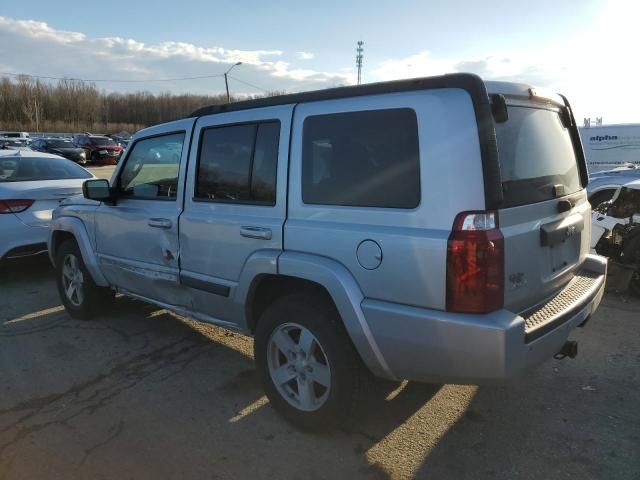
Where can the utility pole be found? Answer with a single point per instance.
(359, 55)
(226, 82)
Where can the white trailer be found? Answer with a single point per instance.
(611, 146)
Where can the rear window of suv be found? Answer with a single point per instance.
(362, 159)
(536, 154)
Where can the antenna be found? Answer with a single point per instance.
(359, 56)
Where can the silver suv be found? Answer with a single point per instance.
(434, 229)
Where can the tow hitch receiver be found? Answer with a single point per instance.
(569, 349)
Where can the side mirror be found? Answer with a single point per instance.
(97, 189)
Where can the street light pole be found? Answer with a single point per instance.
(226, 82)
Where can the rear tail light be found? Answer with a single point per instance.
(475, 264)
(14, 205)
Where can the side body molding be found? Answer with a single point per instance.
(346, 294)
(76, 227)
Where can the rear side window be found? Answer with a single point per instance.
(363, 159)
(238, 163)
(536, 156)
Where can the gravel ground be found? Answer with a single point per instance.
(141, 393)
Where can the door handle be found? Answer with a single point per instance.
(260, 233)
(160, 223)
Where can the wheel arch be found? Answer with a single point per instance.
(329, 279)
(70, 227)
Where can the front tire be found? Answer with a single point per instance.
(80, 295)
(310, 371)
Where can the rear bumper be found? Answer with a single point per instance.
(435, 346)
(110, 158)
(105, 159)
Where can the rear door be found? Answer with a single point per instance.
(546, 218)
(235, 204)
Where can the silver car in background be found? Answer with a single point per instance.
(32, 184)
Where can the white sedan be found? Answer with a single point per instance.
(32, 184)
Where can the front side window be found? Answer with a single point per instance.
(238, 163)
(363, 159)
(151, 169)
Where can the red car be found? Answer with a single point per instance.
(101, 150)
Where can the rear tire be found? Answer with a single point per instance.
(310, 371)
(81, 297)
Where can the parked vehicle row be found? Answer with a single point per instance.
(432, 229)
(81, 148)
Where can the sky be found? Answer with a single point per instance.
(584, 49)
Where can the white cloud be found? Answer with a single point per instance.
(595, 69)
(32, 47)
(597, 77)
(304, 55)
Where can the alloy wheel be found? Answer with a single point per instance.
(73, 280)
(299, 367)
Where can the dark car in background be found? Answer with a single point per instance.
(60, 146)
(99, 149)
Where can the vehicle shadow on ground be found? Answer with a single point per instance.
(25, 270)
(144, 380)
(147, 394)
(27, 286)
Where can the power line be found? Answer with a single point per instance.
(95, 80)
(47, 77)
(249, 84)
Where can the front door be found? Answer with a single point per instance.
(235, 205)
(137, 238)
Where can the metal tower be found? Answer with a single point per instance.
(359, 51)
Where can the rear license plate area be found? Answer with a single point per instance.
(561, 239)
(563, 255)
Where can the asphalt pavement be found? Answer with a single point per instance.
(142, 393)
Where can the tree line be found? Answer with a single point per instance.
(75, 105)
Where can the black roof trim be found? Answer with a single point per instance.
(466, 81)
(472, 83)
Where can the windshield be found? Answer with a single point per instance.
(537, 157)
(59, 143)
(21, 169)
(103, 142)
